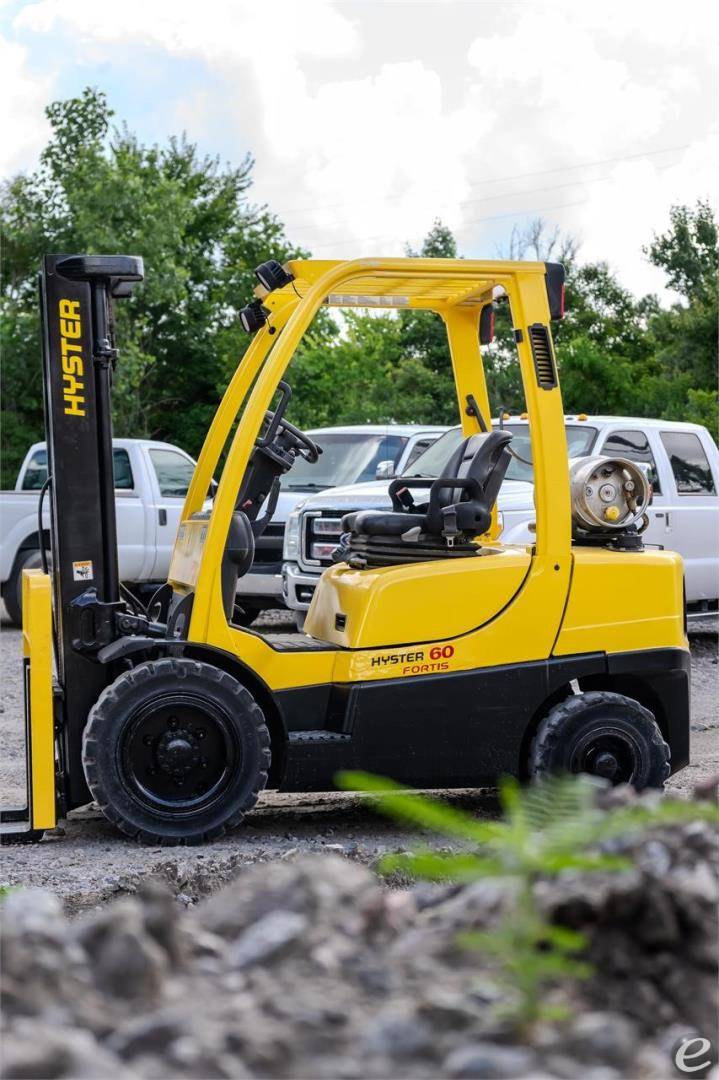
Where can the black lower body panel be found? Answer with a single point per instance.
(467, 728)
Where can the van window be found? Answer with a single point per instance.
(36, 471)
(689, 463)
(633, 445)
(174, 472)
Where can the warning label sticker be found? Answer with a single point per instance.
(82, 571)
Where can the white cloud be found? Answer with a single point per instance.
(367, 121)
(23, 95)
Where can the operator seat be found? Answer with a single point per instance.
(459, 508)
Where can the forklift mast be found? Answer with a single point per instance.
(77, 294)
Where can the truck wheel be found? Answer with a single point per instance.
(300, 620)
(12, 593)
(175, 752)
(603, 734)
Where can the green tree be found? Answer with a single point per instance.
(98, 190)
(681, 381)
(424, 336)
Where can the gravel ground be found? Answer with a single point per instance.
(87, 863)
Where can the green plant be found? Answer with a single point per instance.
(547, 829)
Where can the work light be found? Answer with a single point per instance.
(253, 316)
(272, 275)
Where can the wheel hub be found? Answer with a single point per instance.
(178, 752)
(606, 765)
(608, 752)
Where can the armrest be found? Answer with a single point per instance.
(466, 483)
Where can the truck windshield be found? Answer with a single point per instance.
(431, 463)
(351, 458)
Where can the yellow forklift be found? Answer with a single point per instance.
(434, 653)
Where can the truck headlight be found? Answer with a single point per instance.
(291, 546)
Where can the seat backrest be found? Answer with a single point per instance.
(483, 458)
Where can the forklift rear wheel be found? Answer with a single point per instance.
(603, 734)
(176, 752)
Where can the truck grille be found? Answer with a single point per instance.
(321, 531)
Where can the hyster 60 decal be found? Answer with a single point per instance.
(418, 661)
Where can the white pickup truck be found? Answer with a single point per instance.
(151, 479)
(681, 461)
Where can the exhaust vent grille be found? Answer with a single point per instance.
(543, 355)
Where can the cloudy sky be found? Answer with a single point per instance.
(369, 119)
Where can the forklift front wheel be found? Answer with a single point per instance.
(602, 734)
(176, 752)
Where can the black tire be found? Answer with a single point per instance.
(602, 734)
(12, 593)
(300, 620)
(176, 752)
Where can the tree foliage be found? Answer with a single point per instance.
(99, 189)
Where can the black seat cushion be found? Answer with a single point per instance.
(382, 522)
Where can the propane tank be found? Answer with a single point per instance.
(608, 494)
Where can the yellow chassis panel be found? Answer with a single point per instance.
(37, 650)
(398, 605)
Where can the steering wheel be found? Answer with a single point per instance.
(294, 438)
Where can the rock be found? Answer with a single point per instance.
(325, 887)
(147, 1034)
(37, 1050)
(446, 1010)
(605, 1037)
(160, 917)
(33, 913)
(398, 1036)
(267, 938)
(489, 1060)
(125, 960)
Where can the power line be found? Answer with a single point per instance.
(498, 179)
(483, 199)
(476, 221)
